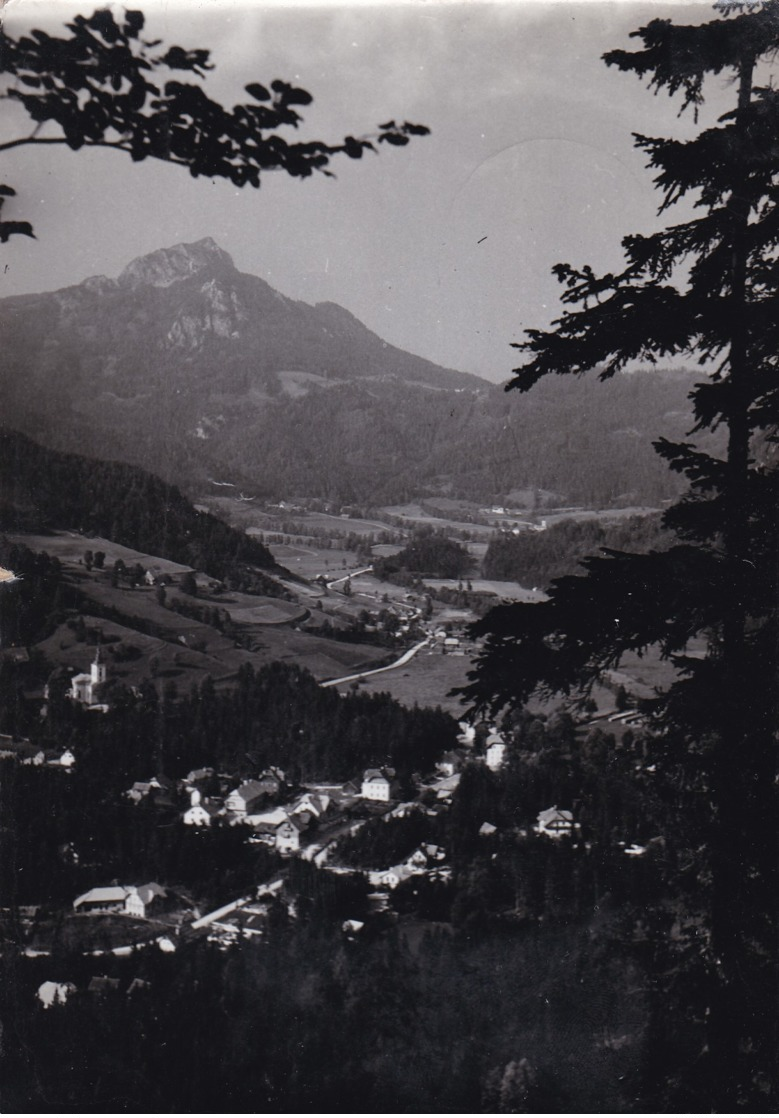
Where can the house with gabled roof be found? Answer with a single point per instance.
(315, 804)
(244, 799)
(379, 785)
(141, 899)
(288, 834)
(29, 754)
(200, 812)
(130, 900)
(272, 781)
(60, 758)
(555, 823)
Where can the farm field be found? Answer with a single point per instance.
(186, 649)
(412, 515)
(69, 547)
(309, 560)
(509, 590)
(424, 680)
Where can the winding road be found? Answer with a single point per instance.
(404, 659)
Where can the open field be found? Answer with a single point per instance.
(186, 649)
(424, 680)
(269, 611)
(252, 518)
(309, 560)
(511, 591)
(69, 548)
(412, 515)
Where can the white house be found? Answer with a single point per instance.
(64, 758)
(555, 823)
(288, 836)
(83, 687)
(314, 803)
(378, 785)
(495, 754)
(141, 898)
(55, 993)
(198, 814)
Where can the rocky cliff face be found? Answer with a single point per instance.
(190, 368)
(169, 265)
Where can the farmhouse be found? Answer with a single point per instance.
(555, 823)
(129, 900)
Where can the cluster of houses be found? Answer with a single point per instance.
(277, 814)
(26, 752)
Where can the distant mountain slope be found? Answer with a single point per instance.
(41, 488)
(194, 370)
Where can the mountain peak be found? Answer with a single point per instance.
(169, 265)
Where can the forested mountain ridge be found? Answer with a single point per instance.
(42, 488)
(195, 370)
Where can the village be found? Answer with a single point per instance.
(294, 821)
(269, 809)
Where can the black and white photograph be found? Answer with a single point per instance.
(389, 632)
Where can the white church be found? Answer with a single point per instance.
(83, 687)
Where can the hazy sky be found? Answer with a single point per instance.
(443, 247)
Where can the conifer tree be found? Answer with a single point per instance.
(707, 289)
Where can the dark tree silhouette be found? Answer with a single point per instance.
(95, 87)
(706, 288)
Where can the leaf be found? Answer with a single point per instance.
(257, 91)
(133, 23)
(415, 129)
(353, 148)
(9, 229)
(394, 138)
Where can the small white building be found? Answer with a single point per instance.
(198, 814)
(495, 754)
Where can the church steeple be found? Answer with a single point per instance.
(97, 669)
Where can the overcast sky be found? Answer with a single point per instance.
(443, 247)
